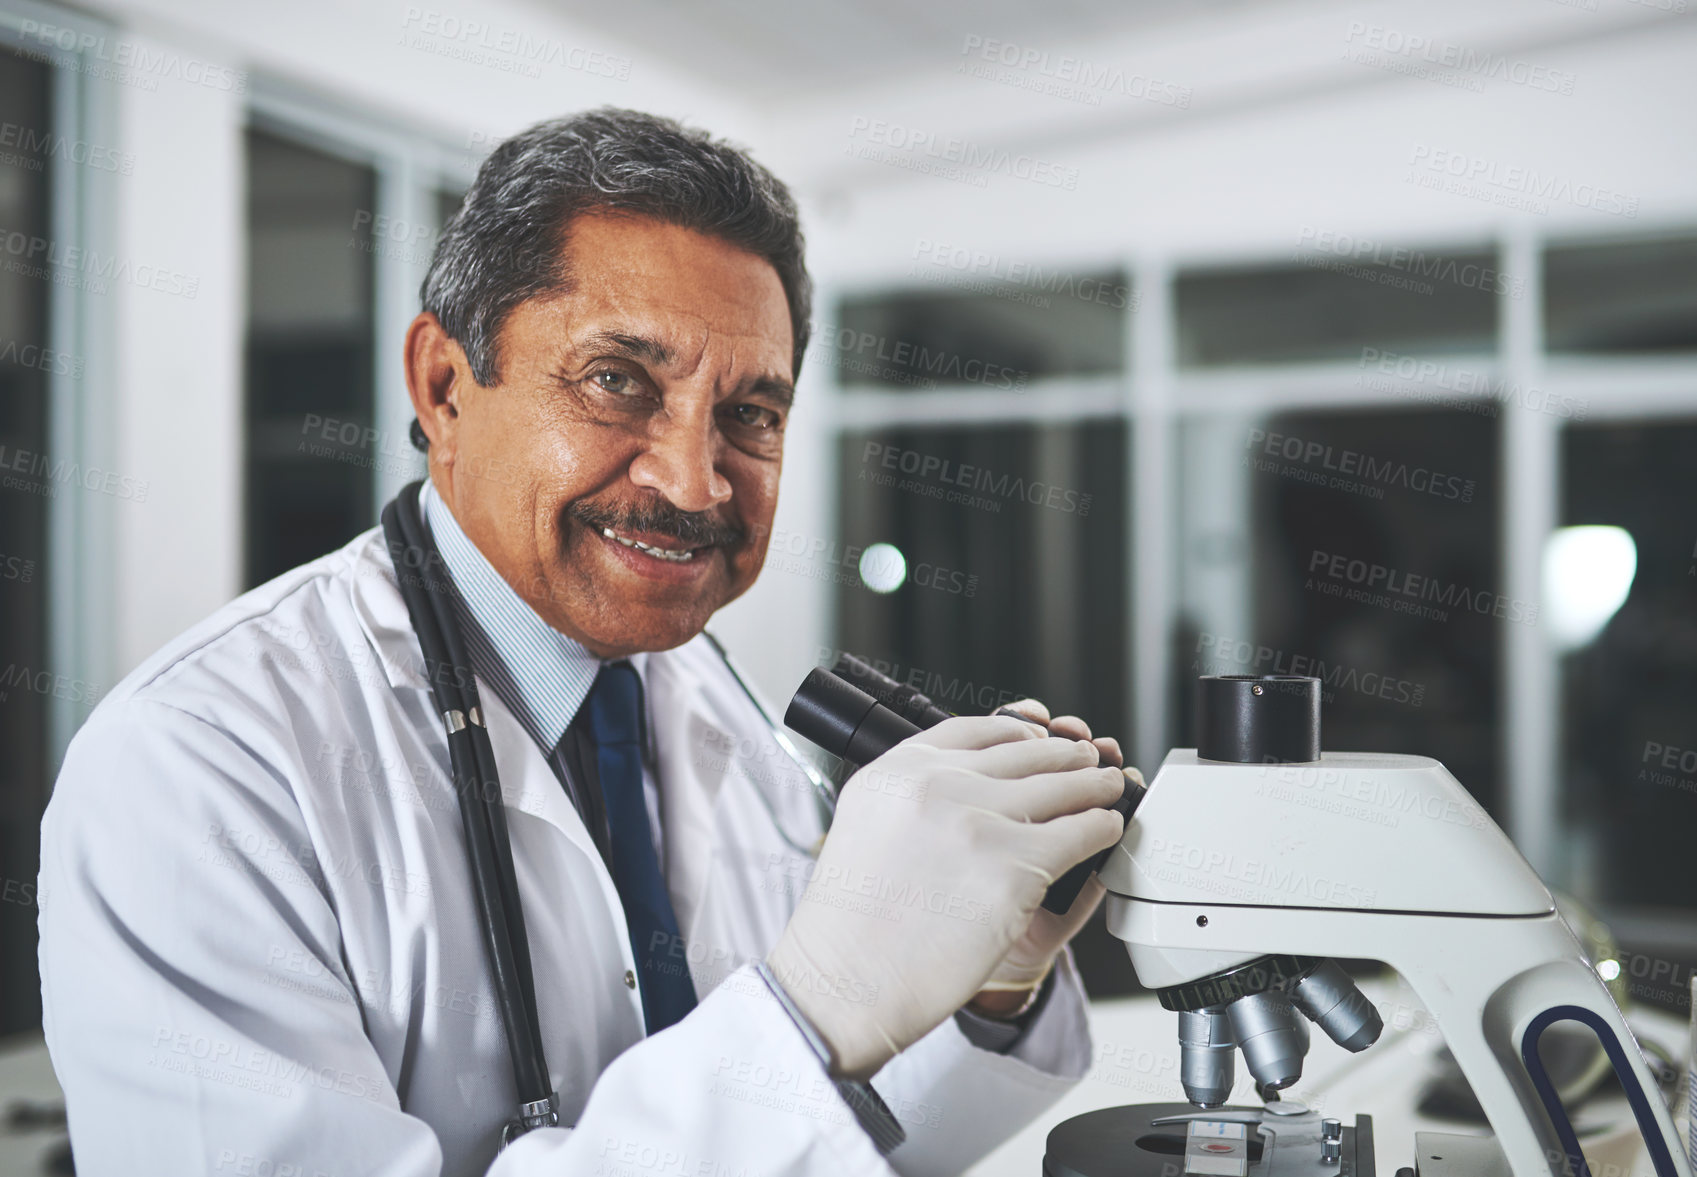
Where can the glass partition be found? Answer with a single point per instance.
(310, 376)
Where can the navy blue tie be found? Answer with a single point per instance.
(614, 708)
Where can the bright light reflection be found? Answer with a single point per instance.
(1587, 573)
(883, 568)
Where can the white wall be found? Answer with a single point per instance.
(178, 375)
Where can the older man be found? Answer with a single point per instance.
(263, 949)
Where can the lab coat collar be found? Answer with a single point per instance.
(382, 612)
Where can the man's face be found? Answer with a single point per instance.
(623, 475)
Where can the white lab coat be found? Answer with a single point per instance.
(260, 952)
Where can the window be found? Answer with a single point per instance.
(1360, 547)
(990, 337)
(1619, 297)
(1630, 730)
(1008, 549)
(310, 401)
(1428, 302)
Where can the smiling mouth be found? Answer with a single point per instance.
(671, 555)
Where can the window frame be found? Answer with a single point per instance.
(82, 561)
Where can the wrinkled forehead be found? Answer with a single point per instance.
(681, 298)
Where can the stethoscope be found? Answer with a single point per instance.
(428, 591)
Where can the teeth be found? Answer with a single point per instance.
(682, 557)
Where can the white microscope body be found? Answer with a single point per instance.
(1386, 857)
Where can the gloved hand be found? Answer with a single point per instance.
(1034, 953)
(939, 853)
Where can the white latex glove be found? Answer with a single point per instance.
(939, 853)
(1034, 953)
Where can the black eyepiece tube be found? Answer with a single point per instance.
(906, 702)
(848, 722)
(845, 720)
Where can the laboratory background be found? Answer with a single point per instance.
(1152, 339)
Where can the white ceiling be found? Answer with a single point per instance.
(766, 50)
(805, 72)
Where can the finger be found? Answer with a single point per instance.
(977, 731)
(1049, 795)
(1066, 841)
(1070, 726)
(1073, 728)
(1027, 758)
(1030, 707)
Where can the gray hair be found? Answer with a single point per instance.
(505, 244)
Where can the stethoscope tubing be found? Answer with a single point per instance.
(421, 576)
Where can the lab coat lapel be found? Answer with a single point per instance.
(528, 784)
(688, 794)
(529, 787)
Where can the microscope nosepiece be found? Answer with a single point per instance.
(1273, 1038)
(1206, 1056)
(1331, 999)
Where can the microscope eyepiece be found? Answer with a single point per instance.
(904, 700)
(845, 720)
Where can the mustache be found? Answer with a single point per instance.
(691, 529)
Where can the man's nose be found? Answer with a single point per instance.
(680, 462)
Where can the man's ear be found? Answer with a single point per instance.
(435, 366)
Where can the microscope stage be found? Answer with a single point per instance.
(1182, 1140)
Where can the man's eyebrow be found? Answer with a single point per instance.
(775, 388)
(635, 347)
(651, 350)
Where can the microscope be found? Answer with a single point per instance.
(1247, 868)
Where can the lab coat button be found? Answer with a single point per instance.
(630, 979)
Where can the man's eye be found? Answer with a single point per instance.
(755, 417)
(612, 380)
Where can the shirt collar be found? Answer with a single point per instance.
(541, 675)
